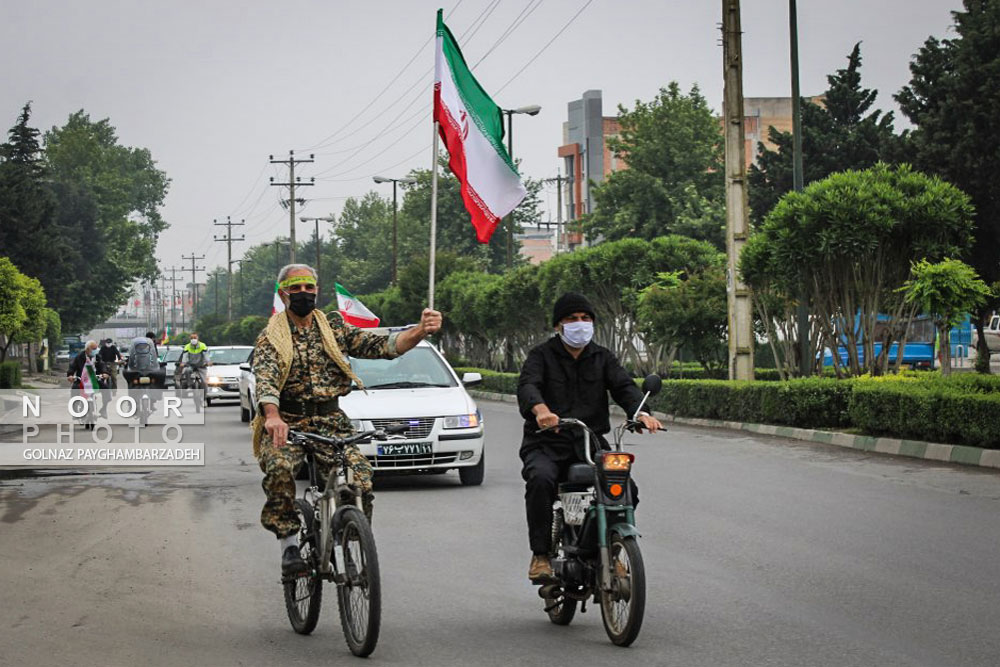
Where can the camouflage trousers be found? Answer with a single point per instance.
(280, 464)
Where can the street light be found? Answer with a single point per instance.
(530, 110)
(406, 181)
(329, 218)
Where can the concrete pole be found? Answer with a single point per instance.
(737, 213)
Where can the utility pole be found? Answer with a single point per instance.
(173, 296)
(329, 218)
(228, 238)
(240, 262)
(802, 312)
(293, 181)
(737, 215)
(277, 260)
(559, 180)
(395, 209)
(194, 282)
(531, 110)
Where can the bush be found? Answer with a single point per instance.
(928, 410)
(10, 374)
(806, 403)
(501, 383)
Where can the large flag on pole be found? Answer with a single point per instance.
(353, 310)
(471, 125)
(277, 306)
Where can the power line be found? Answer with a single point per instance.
(542, 50)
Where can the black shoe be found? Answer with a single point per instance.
(292, 563)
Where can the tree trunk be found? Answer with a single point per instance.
(946, 351)
(982, 348)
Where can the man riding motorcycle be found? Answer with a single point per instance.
(566, 376)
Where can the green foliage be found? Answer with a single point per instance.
(12, 315)
(33, 300)
(497, 382)
(108, 198)
(10, 374)
(23, 316)
(945, 290)
(847, 241)
(927, 411)
(53, 332)
(673, 184)
(843, 132)
(952, 99)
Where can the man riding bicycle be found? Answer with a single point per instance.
(566, 376)
(301, 368)
(196, 355)
(111, 357)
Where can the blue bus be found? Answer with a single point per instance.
(920, 344)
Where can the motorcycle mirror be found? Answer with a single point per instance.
(652, 384)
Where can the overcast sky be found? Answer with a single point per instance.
(213, 88)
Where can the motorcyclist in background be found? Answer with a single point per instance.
(111, 357)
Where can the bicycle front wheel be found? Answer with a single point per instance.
(360, 594)
(303, 595)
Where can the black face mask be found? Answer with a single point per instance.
(302, 303)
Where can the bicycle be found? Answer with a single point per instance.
(337, 544)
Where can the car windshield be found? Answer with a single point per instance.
(230, 355)
(419, 367)
(172, 355)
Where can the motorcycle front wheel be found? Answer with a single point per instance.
(622, 607)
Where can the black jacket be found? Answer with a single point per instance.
(76, 366)
(109, 353)
(572, 388)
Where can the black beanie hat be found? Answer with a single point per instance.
(570, 303)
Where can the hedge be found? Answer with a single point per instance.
(934, 411)
(10, 374)
(961, 409)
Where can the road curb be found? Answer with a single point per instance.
(928, 451)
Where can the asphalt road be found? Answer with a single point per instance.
(758, 551)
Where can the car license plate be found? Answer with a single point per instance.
(404, 449)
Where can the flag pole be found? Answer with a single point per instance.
(434, 199)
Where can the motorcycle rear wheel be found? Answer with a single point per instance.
(623, 607)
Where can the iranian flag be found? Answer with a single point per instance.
(88, 379)
(471, 125)
(277, 306)
(354, 311)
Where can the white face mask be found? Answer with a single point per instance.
(194, 341)
(577, 334)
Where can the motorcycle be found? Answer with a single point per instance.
(595, 549)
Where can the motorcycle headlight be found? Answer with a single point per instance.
(617, 461)
(462, 421)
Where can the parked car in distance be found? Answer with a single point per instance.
(992, 334)
(63, 355)
(170, 354)
(222, 378)
(419, 389)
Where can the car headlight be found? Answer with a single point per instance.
(357, 425)
(462, 421)
(214, 379)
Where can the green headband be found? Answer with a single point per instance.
(297, 280)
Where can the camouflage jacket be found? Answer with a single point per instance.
(314, 375)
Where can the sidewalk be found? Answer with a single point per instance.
(928, 451)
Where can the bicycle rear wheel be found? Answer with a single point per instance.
(304, 595)
(360, 595)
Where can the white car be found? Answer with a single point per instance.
(170, 354)
(222, 378)
(419, 389)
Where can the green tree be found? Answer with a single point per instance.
(674, 181)
(29, 235)
(947, 291)
(12, 314)
(847, 241)
(688, 311)
(119, 190)
(952, 98)
(844, 132)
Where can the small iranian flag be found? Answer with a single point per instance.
(166, 335)
(471, 125)
(88, 379)
(354, 311)
(277, 306)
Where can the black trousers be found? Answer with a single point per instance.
(543, 469)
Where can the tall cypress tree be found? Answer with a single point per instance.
(844, 132)
(953, 98)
